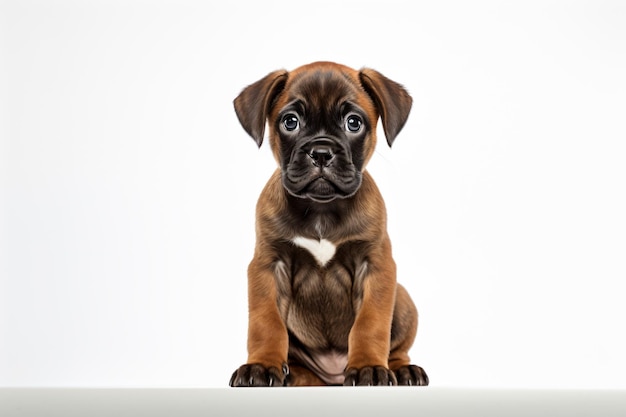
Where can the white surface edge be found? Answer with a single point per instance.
(302, 402)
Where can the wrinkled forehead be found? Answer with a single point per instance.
(326, 89)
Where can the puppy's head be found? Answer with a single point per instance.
(322, 124)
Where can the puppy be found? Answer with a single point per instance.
(324, 305)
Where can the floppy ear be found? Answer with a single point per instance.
(255, 101)
(391, 99)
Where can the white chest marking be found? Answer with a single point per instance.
(323, 250)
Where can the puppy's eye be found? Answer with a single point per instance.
(291, 122)
(353, 123)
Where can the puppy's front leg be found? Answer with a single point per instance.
(268, 341)
(369, 340)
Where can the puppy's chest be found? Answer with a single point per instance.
(320, 287)
(316, 270)
(322, 250)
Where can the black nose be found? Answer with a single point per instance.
(321, 155)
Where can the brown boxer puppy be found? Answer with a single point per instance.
(324, 305)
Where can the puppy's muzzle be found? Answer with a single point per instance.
(321, 169)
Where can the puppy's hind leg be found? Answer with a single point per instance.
(300, 376)
(403, 331)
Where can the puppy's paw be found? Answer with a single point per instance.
(411, 375)
(369, 376)
(255, 375)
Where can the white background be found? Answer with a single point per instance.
(127, 186)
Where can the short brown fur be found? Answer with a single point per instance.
(342, 320)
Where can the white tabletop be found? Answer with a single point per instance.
(302, 402)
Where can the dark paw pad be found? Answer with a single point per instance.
(411, 375)
(369, 376)
(255, 375)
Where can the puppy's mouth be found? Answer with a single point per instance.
(321, 190)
